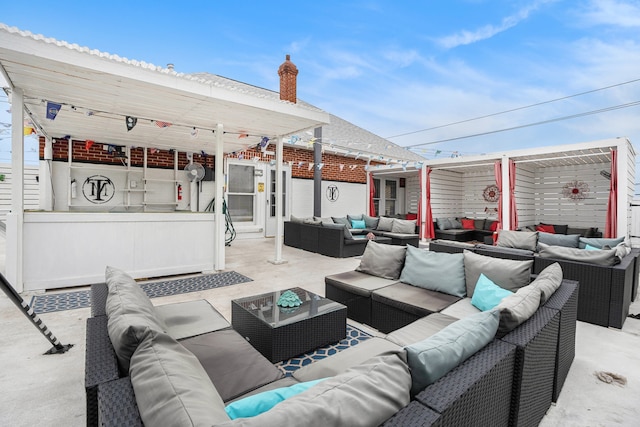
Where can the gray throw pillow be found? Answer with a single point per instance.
(382, 260)
(424, 269)
(506, 273)
(385, 224)
(478, 224)
(326, 220)
(311, 221)
(371, 222)
(405, 226)
(171, 386)
(342, 220)
(517, 308)
(518, 239)
(601, 257)
(548, 281)
(455, 223)
(345, 230)
(355, 217)
(296, 219)
(599, 242)
(432, 358)
(567, 240)
(443, 223)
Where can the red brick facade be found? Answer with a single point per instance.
(335, 168)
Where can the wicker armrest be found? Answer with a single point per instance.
(117, 404)
(99, 292)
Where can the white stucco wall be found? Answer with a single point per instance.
(351, 199)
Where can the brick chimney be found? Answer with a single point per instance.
(288, 73)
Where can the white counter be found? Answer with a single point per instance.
(63, 249)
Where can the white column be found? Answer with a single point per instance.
(45, 177)
(623, 188)
(279, 222)
(219, 256)
(15, 218)
(423, 201)
(506, 198)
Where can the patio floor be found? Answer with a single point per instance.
(49, 390)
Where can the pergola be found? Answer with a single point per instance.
(97, 91)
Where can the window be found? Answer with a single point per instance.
(390, 197)
(376, 195)
(241, 192)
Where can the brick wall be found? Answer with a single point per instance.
(336, 168)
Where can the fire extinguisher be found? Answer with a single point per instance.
(179, 191)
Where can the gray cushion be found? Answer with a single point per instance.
(365, 395)
(345, 230)
(385, 224)
(518, 239)
(506, 273)
(382, 260)
(357, 282)
(433, 357)
(232, 364)
(129, 312)
(601, 257)
(345, 359)
(327, 220)
(504, 250)
(461, 309)
(191, 318)
(567, 240)
(518, 307)
(420, 329)
(455, 223)
(358, 217)
(548, 281)
(342, 220)
(443, 223)
(479, 224)
(297, 220)
(424, 269)
(403, 226)
(599, 242)
(371, 222)
(311, 221)
(171, 386)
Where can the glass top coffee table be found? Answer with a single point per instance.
(280, 333)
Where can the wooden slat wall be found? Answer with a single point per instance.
(474, 205)
(553, 208)
(525, 195)
(631, 185)
(31, 190)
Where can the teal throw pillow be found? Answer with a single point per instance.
(358, 225)
(258, 403)
(431, 359)
(425, 270)
(487, 294)
(591, 248)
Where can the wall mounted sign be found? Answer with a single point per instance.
(98, 189)
(576, 190)
(332, 193)
(491, 193)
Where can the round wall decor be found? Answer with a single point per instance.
(576, 190)
(491, 193)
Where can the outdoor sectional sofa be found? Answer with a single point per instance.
(608, 283)
(338, 237)
(511, 381)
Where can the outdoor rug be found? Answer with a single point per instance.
(81, 299)
(354, 337)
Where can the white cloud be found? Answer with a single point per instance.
(612, 12)
(466, 37)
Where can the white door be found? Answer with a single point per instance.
(270, 220)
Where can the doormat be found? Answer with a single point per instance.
(81, 299)
(354, 336)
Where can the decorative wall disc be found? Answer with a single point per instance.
(576, 190)
(491, 193)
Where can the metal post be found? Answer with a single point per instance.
(33, 317)
(317, 173)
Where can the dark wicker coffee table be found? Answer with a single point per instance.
(280, 333)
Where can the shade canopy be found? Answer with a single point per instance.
(96, 92)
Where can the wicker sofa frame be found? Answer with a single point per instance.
(606, 292)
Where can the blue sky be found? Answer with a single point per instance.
(393, 67)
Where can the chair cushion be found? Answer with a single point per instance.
(345, 229)
(468, 224)
(358, 217)
(487, 294)
(605, 257)
(358, 224)
(518, 239)
(341, 220)
(432, 358)
(412, 299)
(403, 226)
(370, 221)
(567, 240)
(382, 260)
(424, 269)
(506, 273)
(385, 224)
(517, 308)
(170, 385)
(599, 242)
(548, 281)
(191, 318)
(357, 282)
(420, 329)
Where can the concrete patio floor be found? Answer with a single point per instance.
(49, 389)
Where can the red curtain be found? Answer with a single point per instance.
(497, 171)
(430, 233)
(611, 226)
(419, 222)
(513, 211)
(372, 192)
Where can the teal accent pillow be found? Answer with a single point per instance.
(358, 225)
(424, 269)
(487, 294)
(431, 359)
(258, 403)
(591, 248)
